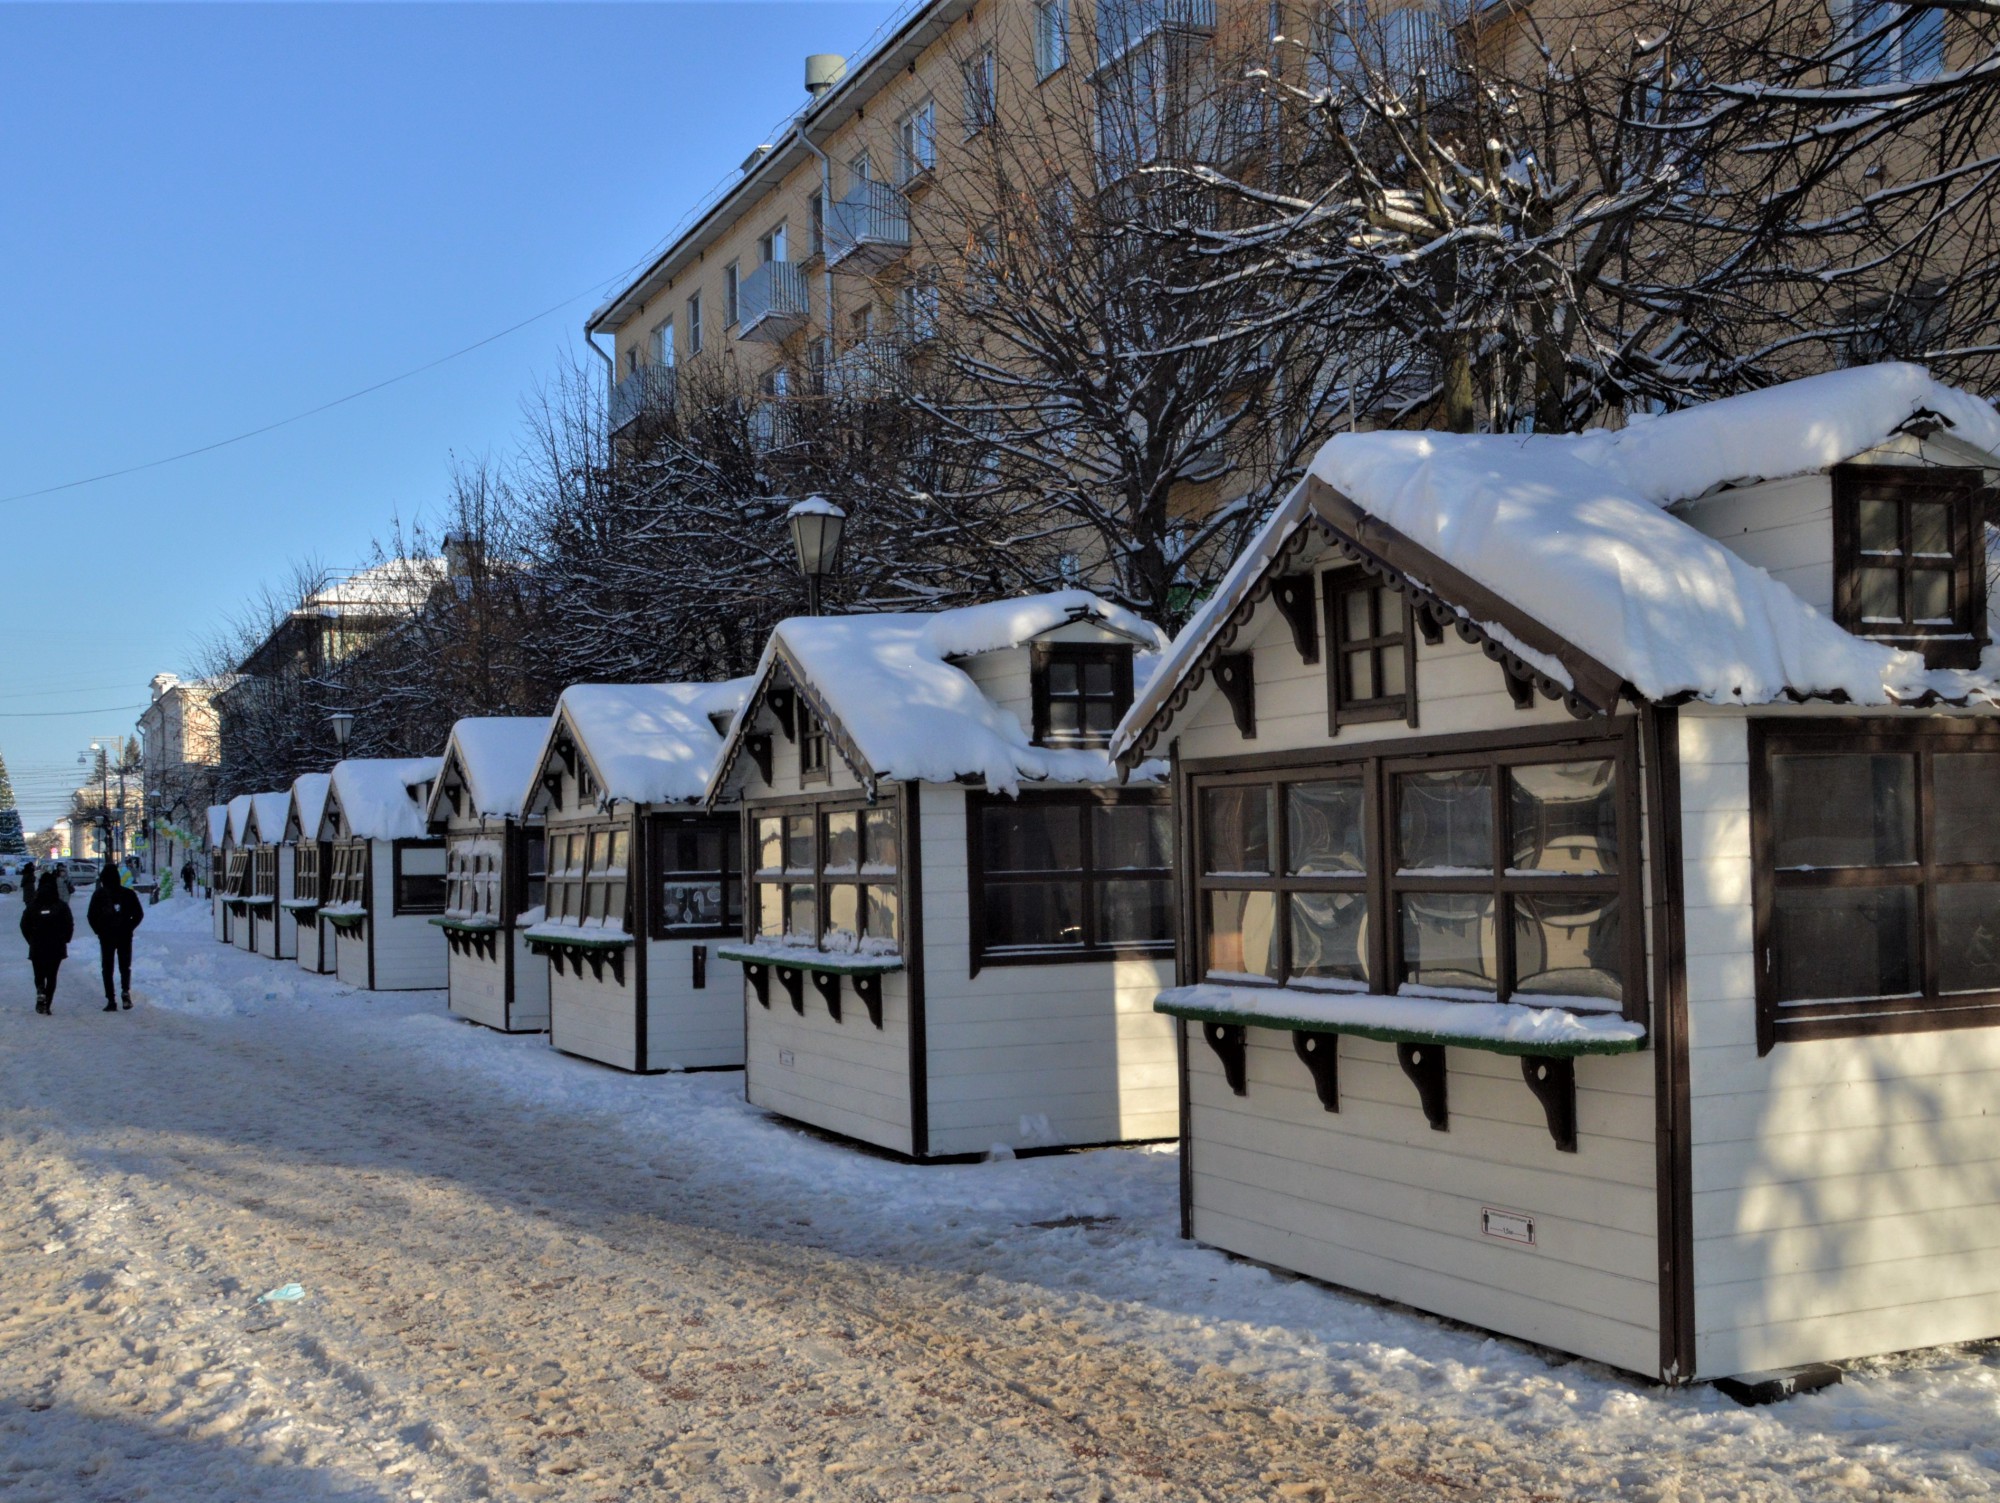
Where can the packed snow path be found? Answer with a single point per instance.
(527, 1277)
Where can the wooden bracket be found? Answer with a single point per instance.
(552, 784)
(868, 987)
(1424, 1064)
(759, 977)
(1321, 1053)
(1238, 683)
(794, 982)
(1553, 1080)
(827, 984)
(759, 747)
(1520, 690)
(1431, 624)
(784, 705)
(1227, 1040)
(1293, 596)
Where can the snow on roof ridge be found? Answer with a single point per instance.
(498, 755)
(375, 795)
(651, 743)
(270, 811)
(218, 824)
(239, 816)
(309, 790)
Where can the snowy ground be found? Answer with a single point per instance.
(528, 1277)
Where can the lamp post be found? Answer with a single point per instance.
(343, 727)
(817, 525)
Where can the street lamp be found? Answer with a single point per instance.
(817, 525)
(343, 727)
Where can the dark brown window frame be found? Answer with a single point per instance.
(815, 751)
(1787, 1022)
(1378, 763)
(1088, 875)
(498, 875)
(1043, 654)
(819, 806)
(1953, 645)
(399, 902)
(308, 862)
(343, 851)
(1335, 585)
(731, 825)
(595, 877)
(527, 867)
(264, 871)
(236, 872)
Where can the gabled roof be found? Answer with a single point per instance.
(218, 824)
(1559, 552)
(239, 817)
(644, 743)
(377, 795)
(309, 790)
(266, 822)
(896, 703)
(494, 759)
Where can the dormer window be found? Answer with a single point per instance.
(813, 766)
(1368, 668)
(1909, 561)
(1081, 691)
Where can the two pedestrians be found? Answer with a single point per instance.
(47, 925)
(114, 913)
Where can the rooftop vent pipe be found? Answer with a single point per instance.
(823, 71)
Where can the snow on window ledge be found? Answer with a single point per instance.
(805, 958)
(1499, 1027)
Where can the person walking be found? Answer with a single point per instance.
(114, 912)
(187, 878)
(47, 925)
(28, 882)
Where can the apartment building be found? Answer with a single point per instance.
(180, 754)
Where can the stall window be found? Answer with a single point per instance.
(305, 871)
(697, 884)
(1061, 877)
(350, 873)
(604, 882)
(534, 858)
(1368, 670)
(420, 876)
(567, 852)
(472, 876)
(1080, 692)
(1878, 874)
(264, 871)
(1909, 559)
(827, 877)
(813, 767)
(236, 873)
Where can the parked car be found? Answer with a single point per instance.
(82, 871)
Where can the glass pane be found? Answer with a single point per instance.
(614, 902)
(1448, 940)
(1135, 911)
(1392, 671)
(1354, 616)
(1968, 921)
(690, 905)
(1097, 678)
(600, 850)
(770, 845)
(1024, 914)
(1843, 809)
(880, 851)
(1032, 837)
(1930, 596)
(1877, 594)
(1323, 824)
(843, 842)
(1388, 612)
(1965, 796)
(883, 911)
(1360, 675)
(620, 850)
(1100, 716)
(1930, 527)
(843, 916)
(1881, 527)
(799, 843)
(1445, 820)
(1568, 947)
(801, 916)
(770, 910)
(692, 848)
(1329, 936)
(1236, 830)
(1564, 818)
(1065, 717)
(1832, 944)
(1132, 837)
(1242, 934)
(1062, 678)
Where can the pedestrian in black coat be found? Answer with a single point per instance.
(114, 912)
(27, 882)
(187, 878)
(47, 925)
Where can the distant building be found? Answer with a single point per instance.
(179, 758)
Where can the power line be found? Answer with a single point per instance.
(58, 714)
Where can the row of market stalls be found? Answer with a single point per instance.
(1552, 882)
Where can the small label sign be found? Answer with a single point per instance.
(785, 1058)
(1508, 1226)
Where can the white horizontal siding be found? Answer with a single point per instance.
(686, 1028)
(849, 1077)
(592, 1017)
(410, 951)
(316, 942)
(1785, 526)
(530, 1012)
(351, 953)
(478, 987)
(1846, 1191)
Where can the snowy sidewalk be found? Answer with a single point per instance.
(528, 1277)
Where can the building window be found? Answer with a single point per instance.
(264, 871)
(732, 276)
(236, 869)
(1051, 36)
(1909, 559)
(1368, 670)
(1061, 877)
(1080, 692)
(771, 244)
(420, 876)
(568, 852)
(350, 874)
(305, 871)
(663, 344)
(827, 878)
(980, 100)
(697, 877)
(472, 879)
(604, 883)
(861, 169)
(534, 858)
(917, 304)
(813, 764)
(694, 324)
(816, 221)
(1878, 876)
(1486, 876)
(1890, 41)
(916, 142)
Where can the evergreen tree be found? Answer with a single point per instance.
(11, 843)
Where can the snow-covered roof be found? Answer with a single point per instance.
(649, 743)
(218, 824)
(377, 795)
(890, 686)
(496, 757)
(1572, 532)
(239, 817)
(309, 791)
(268, 813)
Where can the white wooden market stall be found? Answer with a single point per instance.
(385, 877)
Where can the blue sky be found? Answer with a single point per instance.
(214, 216)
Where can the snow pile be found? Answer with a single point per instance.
(1571, 530)
(650, 743)
(497, 756)
(891, 683)
(377, 795)
(309, 790)
(1507, 1027)
(268, 814)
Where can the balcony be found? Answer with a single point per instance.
(873, 367)
(771, 303)
(868, 228)
(774, 424)
(1124, 24)
(649, 390)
